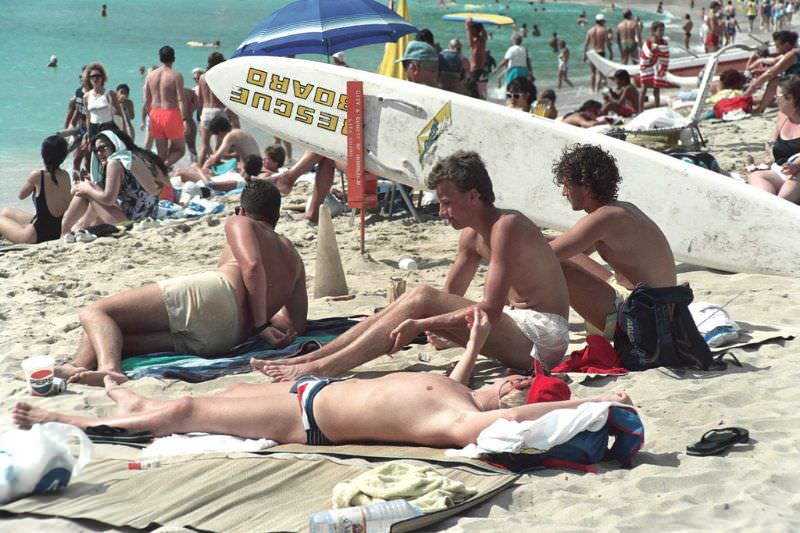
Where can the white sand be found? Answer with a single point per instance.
(755, 486)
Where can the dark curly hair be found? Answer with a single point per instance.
(467, 171)
(587, 164)
(261, 201)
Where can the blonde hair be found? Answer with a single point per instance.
(514, 398)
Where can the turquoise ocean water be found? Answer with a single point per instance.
(33, 98)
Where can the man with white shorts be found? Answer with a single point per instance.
(524, 274)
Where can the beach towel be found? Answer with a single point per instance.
(654, 64)
(420, 485)
(195, 369)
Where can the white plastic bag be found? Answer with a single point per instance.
(39, 459)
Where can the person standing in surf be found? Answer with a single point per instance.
(624, 236)
(654, 64)
(164, 105)
(598, 38)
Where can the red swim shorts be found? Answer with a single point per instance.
(166, 123)
(712, 39)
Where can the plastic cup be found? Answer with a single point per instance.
(397, 286)
(407, 263)
(39, 374)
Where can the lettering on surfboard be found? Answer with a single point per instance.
(432, 131)
(290, 98)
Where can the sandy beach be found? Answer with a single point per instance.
(753, 487)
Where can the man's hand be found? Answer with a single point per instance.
(403, 334)
(277, 338)
(438, 342)
(479, 327)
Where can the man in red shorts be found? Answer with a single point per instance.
(164, 105)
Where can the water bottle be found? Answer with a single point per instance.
(372, 518)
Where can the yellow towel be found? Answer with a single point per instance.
(421, 486)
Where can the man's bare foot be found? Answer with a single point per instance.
(25, 415)
(280, 371)
(128, 401)
(68, 370)
(95, 377)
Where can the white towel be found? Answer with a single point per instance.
(198, 443)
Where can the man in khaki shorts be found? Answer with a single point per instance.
(258, 288)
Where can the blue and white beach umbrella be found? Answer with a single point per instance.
(324, 27)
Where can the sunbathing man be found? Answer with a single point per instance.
(402, 407)
(623, 235)
(258, 289)
(523, 272)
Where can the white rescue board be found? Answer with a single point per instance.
(709, 219)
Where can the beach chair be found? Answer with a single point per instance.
(689, 134)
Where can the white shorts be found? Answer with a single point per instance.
(549, 334)
(209, 113)
(228, 176)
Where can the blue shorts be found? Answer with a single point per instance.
(306, 388)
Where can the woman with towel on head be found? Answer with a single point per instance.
(126, 184)
(50, 189)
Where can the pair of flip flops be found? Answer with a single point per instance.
(716, 441)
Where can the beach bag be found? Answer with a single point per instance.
(39, 459)
(655, 328)
(587, 448)
(700, 159)
(726, 105)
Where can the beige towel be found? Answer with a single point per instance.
(421, 486)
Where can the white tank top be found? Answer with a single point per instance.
(99, 108)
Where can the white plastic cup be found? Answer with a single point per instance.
(39, 374)
(407, 262)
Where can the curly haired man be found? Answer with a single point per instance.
(632, 244)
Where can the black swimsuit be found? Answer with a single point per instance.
(783, 149)
(48, 227)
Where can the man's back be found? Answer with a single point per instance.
(626, 31)
(163, 86)
(597, 38)
(243, 143)
(207, 98)
(283, 268)
(634, 246)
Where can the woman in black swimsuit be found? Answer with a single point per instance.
(51, 196)
(781, 178)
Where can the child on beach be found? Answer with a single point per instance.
(51, 196)
(654, 64)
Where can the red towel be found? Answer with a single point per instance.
(598, 357)
(546, 388)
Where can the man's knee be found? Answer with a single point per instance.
(421, 299)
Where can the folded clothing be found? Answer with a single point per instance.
(421, 486)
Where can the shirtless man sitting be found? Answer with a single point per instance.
(524, 294)
(163, 103)
(623, 235)
(403, 407)
(625, 100)
(258, 288)
(235, 143)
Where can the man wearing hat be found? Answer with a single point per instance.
(626, 38)
(598, 38)
(421, 63)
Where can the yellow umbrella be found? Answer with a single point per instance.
(394, 51)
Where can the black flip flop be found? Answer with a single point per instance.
(104, 434)
(716, 441)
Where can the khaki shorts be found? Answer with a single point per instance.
(620, 295)
(203, 313)
(549, 334)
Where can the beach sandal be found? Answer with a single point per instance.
(104, 434)
(716, 441)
